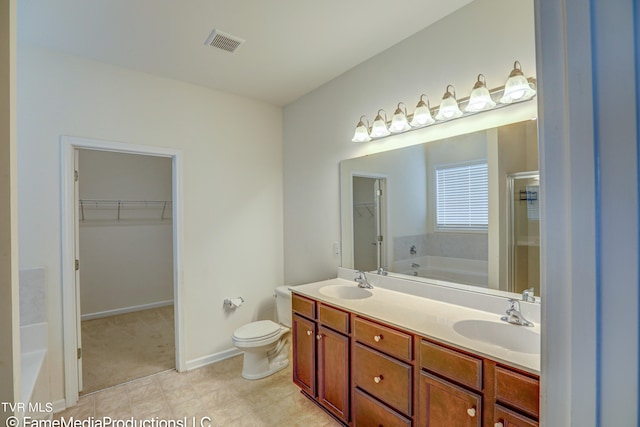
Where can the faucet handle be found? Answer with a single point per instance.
(514, 304)
(527, 295)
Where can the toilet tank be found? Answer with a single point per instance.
(283, 305)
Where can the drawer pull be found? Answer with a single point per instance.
(471, 412)
(377, 338)
(378, 379)
(498, 424)
(309, 333)
(318, 337)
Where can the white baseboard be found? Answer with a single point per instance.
(124, 310)
(59, 406)
(212, 358)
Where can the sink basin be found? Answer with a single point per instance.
(345, 292)
(501, 334)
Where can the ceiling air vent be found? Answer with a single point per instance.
(224, 41)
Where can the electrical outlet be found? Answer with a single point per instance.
(336, 248)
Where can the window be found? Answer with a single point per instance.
(462, 197)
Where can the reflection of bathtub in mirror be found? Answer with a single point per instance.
(457, 270)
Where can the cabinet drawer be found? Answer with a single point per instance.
(390, 341)
(333, 318)
(459, 367)
(383, 377)
(504, 417)
(518, 390)
(367, 411)
(303, 306)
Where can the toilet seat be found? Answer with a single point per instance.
(257, 331)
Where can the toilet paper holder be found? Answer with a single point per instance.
(233, 302)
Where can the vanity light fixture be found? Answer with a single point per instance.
(517, 87)
(449, 106)
(480, 98)
(399, 122)
(422, 114)
(362, 131)
(379, 127)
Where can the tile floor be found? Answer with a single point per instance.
(216, 391)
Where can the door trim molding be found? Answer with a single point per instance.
(69, 319)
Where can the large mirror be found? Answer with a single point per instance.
(460, 210)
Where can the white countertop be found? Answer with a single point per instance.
(426, 317)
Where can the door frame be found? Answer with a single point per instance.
(386, 247)
(69, 144)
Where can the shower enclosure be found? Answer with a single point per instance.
(524, 232)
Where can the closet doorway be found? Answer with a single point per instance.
(125, 248)
(122, 235)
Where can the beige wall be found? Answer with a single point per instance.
(232, 185)
(9, 312)
(126, 264)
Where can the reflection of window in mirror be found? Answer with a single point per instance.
(462, 197)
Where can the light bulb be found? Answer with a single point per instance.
(448, 106)
(517, 87)
(422, 114)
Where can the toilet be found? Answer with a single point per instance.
(264, 343)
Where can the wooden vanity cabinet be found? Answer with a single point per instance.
(442, 403)
(321, 347)
(366, 373)
(517, 400)
(304, 353)
(450, 388)
(382, 374)
(459, 388)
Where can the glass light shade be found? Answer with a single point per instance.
(399, 122)
(361, 134)
(422, 115)
(379, 127)
(448, 107)
(517, 87)
(480, 98)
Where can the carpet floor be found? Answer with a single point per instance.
(122, 348)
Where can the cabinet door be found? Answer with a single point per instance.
(333, 372)
(507, 418)
(304, 354)
(444, 404)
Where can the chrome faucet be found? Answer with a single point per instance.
(362, 281)
(382, 271)
(527, 295)
(514, 316)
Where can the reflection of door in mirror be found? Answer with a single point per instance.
(367, 223)
(524, 229)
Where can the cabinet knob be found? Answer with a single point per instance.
(378, 379)
(377, 338)
(498, 424)
(471, 412)
(318, 337)
(309, 332)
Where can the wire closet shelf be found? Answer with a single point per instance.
(125, 210)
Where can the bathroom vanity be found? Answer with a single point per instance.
(381, 357)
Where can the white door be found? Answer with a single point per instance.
(76, 221)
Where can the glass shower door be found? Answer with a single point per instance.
(524, 232)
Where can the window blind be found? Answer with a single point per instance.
(462, 197)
